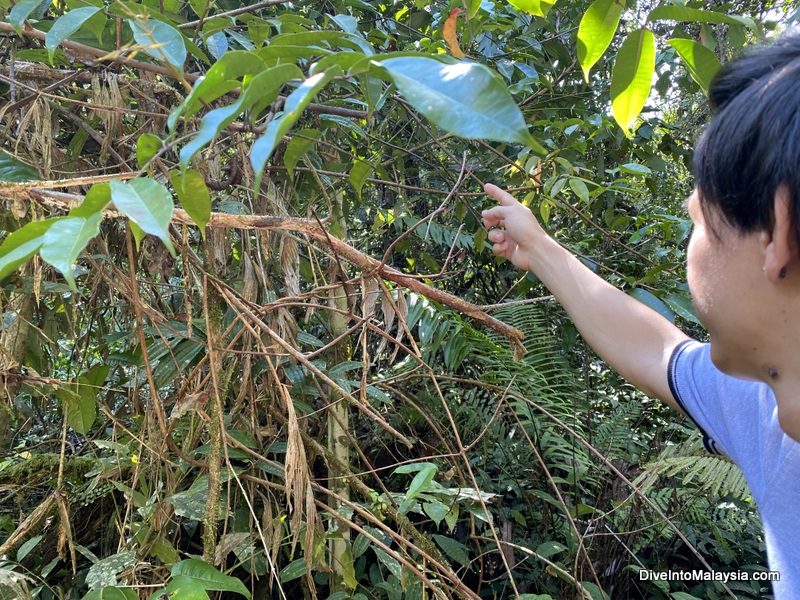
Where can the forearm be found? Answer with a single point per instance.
(632, 338)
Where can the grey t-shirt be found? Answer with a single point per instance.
(740, 420)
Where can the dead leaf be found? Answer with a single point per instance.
(449, 33)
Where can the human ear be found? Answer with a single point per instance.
(781, 252)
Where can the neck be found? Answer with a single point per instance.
(785, 384)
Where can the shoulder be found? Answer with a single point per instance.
(731, 413)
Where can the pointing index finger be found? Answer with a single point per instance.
(499, 194)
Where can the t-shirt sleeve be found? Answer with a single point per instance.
(732, 414)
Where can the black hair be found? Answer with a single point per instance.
(752, 145)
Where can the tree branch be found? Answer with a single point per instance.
(309, 227)
(91, 55)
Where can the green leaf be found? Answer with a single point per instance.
(679, 12)
(635, 169)
(473, 6)
(389, 562)
(435, 510)
(683, 307)
(148, 204)
(653, 302)
(302, 141)
(702, 63)
(348, 570)
(454, 550)
(15, 171)
(112, 593)
(630, 80)
(22, 11)
(29, 545)
(209, 577)
(160, 40)
(80, 401)
(264, 86)
(538, 8)
(550, 548)
(465, 99)
(316, 41)
(147, 146)
(294, 570)
(192, 192)
(221, 78)
(65, 240)
(292, 109)
(580, 189)
(21, 245)
(597, 28)
(425, 473)
(66, 25)
(182, 588)
(138, 234)
(96, 199)
(104, 572)
(359, 174)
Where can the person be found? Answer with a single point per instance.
(742, 389)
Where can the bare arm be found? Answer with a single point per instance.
(634, 340)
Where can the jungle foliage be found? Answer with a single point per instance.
(254, 343)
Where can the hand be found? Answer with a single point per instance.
(519, 230)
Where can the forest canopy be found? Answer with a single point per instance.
(254, 343)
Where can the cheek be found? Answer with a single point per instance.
(698, 271)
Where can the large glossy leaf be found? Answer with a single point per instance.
(538, 8)
(23, 9)
(66, 239)
(21, 245)
(466, 99)
(633, 72)
(209, 577)
(15, 171)
(702, 63)
(192, 192)
(220, 79)
(264, 86)
(66, 25)
(148, 204)
(679, 12)
(596, 31)
(160, 40)
(292, 109)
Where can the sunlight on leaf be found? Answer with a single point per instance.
(466, 99)
(596, 31)
(633, 72)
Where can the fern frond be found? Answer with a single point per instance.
(712, 474)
